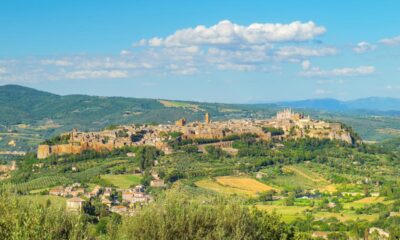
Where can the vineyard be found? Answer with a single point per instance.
(57, 179)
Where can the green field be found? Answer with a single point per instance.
(123, 180)
(298, 176)
(289, 213)
(42, 199)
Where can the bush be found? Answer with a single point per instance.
(26, 220)
(179, 217)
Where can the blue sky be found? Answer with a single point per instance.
(243, 51)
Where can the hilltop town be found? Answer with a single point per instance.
(285, 125)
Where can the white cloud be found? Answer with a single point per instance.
(392, 87)
(338, 72)
(3, 70)
(306, 64)
(57, 62)
(321, 92)
(391, 41)
(125, 53)
(330, 81)
(228, 33)
(291, 51)
(95, 74)
(363, 47)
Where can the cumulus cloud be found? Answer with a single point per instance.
(227, 33)
(391, 41)
(292, 51)
(363, 47)
(338, 72)
(3, 70)
(223, 46)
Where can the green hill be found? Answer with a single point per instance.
(27, 116)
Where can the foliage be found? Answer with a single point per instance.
(28, 220)
(273, 131)
(180, 217)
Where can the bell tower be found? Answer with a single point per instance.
(207, 118)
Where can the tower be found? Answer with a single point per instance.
(207, 118)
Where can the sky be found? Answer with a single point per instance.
(213, 51)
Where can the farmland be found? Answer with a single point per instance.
(243, 186)
(122, 180)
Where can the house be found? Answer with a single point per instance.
(95, 192)
(77, 191)
(75, 204)
(119, 209)
(127, 196)
(107, 191)
(140, 197)
(139, 188)
(157, 183)
(380, 232)
(57, 191)
(331, 205)
(319, 234)
(106, 202)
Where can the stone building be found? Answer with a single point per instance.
(75, 204)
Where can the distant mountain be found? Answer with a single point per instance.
(376, 104)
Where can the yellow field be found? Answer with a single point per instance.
(328, 188)
(242, 186)
(175, 104)
(366, 201)
(214, 186)
(370, 200)
(244, 183)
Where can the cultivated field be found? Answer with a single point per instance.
(289, 213)
(123, 180)
(243, 186)
(299, 176)
(42, 199)
(175, 104)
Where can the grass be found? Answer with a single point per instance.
(346, 216)
(307, 174)
(123, 180)
(242, 186)
(299, 176)
(289, 213)
(366, 201)
(42, 199)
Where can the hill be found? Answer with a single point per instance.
(28, 116)
(382, 105)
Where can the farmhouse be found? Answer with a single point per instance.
(75, 204)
